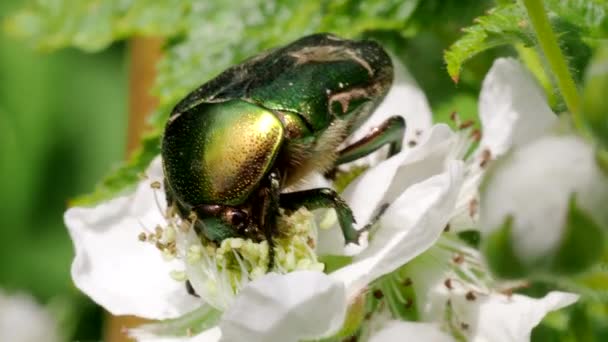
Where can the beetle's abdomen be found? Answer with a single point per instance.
(217, 153)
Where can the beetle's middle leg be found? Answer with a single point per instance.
(323, 198)
(390, 132)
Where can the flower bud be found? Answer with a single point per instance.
(543, 208)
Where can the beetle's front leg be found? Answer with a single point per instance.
(390, 132)
(323, 198)
(270, 213)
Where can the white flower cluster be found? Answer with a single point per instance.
(412, 261)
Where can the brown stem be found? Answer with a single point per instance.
(144, 53)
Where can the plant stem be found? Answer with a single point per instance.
(557, 62)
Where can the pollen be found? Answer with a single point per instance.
(219, 271)
(178, 275)
(142, 237)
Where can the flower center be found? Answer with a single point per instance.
(216, 272)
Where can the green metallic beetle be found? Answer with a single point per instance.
(232, 145)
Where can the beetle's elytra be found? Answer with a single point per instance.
(233, 144)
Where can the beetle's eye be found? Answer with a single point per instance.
(236, 217)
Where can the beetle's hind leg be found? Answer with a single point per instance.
(390, 132)
(323, 198)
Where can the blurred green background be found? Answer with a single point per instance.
(62, 125)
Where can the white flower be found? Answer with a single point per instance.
(512, 111)
(452, 284)
(417, 192)
(453, 287)
(544, 204)
(24, 320)
(546, 189)
(395, 331)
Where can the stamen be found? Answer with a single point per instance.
(157, 201)
(486, 157)
(142, 237)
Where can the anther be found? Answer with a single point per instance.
(476, 135)
(486, 156)
(378, 294)
(142, 237)
(454, 116)
(466, 124)
(473, 204)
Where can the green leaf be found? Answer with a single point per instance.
(595, 101)
(229, 34)
(499, 251)
(334, 262)
(589, 16)
(470, 237)
(505, 24)
(192, 323)
(126, 174)
(582, 243)
(602, 160)
(93, 25)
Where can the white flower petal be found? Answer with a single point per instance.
(404, 98)
(114, 268)
(398, 331)
(210, 335)
(512, 108)
(387, 180)
(535, 184)
(410, 225)
(291, 307)
(461, 300)
(24, 320)
(500, 318)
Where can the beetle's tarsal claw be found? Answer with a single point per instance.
(372, 223)
(354, 237)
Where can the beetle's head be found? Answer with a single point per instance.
(218, 222)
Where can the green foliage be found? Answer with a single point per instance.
(93, 25)
(508, 24)
(590, 17)
(582, 242)
(595, 101)
(502, 25)
(500, 253)
(125, 174)
(192, 323)
(203, 38)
